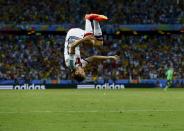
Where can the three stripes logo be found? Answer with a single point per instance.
(22, 87)
(6, 87)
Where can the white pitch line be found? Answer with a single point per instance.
(92, 111)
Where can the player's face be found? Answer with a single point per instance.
(80, 71)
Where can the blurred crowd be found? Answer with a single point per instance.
(141, 57)
(31, 57)
(145, 57)
(73, 11)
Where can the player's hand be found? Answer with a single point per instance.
(116, 57)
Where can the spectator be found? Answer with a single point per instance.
(72, 11)
(41, 57)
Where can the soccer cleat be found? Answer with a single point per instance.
(101, 18)
(90, 16)
(96, 17)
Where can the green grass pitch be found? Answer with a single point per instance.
(92, 110)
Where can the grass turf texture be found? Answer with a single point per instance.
(92, 110)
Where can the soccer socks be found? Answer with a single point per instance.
(97, 30)
(168, 84)
(88, 28)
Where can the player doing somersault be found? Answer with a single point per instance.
(75, 37)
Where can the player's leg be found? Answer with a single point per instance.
(88, 28)
(168, 84)
(97, 29)
(88, 36)
(92, 38)
(98, 33)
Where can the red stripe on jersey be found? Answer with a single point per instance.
(78, 61)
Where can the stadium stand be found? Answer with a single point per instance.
(41, 56)
(72, 11)
(142, 57)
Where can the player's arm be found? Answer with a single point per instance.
(101, 58)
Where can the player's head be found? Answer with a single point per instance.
(79, 74)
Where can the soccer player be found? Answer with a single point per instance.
(77, 36)
(169, 75)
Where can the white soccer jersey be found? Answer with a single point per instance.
(73, 60)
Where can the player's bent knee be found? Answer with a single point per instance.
(99, 43)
